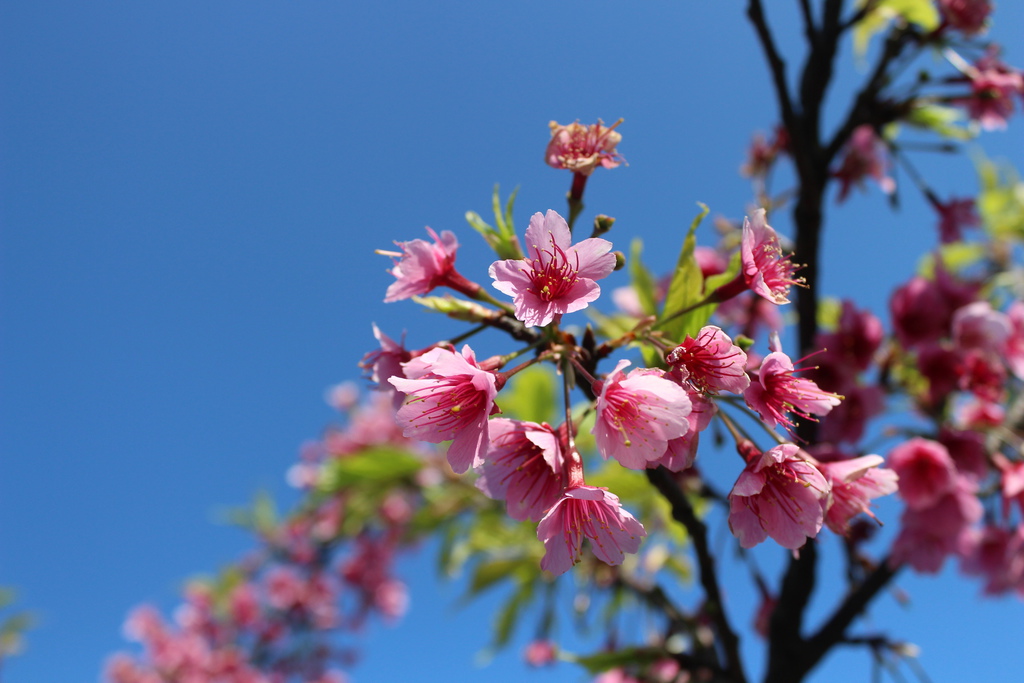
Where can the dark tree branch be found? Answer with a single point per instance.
(683, 513)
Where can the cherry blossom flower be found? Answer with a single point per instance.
(855, 483)
(967, 16)
(711, 362)
(581, 149)
(926, 471)
(766, 271)
(682, 451)
(559, 278)
(929, 534)
(1013, 352)
(594, 513)
(762, 154)
(421, 266)
(385, 363)
(540, 653)
(779, 494)
(449, 397)
(638, 414)
(954, 215)
(864, 158)
(847, 421)
(524, 467)
(993, 89)
(777, 392)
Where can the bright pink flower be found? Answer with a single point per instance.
(540, 653)
(581, 149)
(855, 483)
(682, 451)
(941, 366)
(385, 363)
(992, 93)
(865, 157)
(967, 16)
(711, 362)
(994, 553)
(559, 278)
(524, 467)
(450, 397)
(638, 414)
(855, 340)
(955, 215)
(1013, 352)
(926, 471)
(1012, 485)
(779, 494)
(777, 392)
(983, 374)
(927, 535)
(594, 513)
(762, 154)
(766, 271)
(421, 266)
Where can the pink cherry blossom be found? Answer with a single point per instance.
(421, 266)
(847, 421)
(1013, 352)
(854, 342)
(559, 278)
(993, 90)
(587, 512)
(855, 483)
(638, 414)
(766, 271)
(711, 361)
(978, 326)
(449, 397)
(779, 494)
(682, 451)
(929, 534)
(540, 653)
(581, 149)
(778, 392)
(955, 215)
(926, 471)
(865, 157)
(524, 467)
(386, 362)
(967, 16)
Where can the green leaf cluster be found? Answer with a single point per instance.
(501, 238)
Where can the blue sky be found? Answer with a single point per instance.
(190, 197)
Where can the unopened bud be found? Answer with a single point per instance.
(620, 260)
(602, 224)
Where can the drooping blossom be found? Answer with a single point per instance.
(855, 483)
(557, 277)
(766, 271)
(421, 266)
(638, 414)
(524, 467)
(587, 512)
(581, 149)
(925, 469)
(778, 391)
(780, 495)
(967, 16)
(864, 158)
(386, 362)
(954, 216)
(449, 397)
(928, 535)
(711, 362)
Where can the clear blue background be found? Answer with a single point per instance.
(190, 197)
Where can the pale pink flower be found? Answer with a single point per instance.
(955, 215)
(967, 16)
(594, 513)
(778, 494)
(421, 266)
(778, 392)
(865, 157)
(386, 362)
(926, 471)
(682, 451)
(927, 535)
(993, 552)
(992, 93)
(638, 414)
(524, 467)
(855, 483)
(449, 397)
(711, 362)
(559, 278)
(581, 149)
(977, 326)
(540, 653)
(766, 271)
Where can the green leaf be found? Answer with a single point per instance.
(508, 616)
(503, 240)
(643, 282)
(829, 311)
(686, 288)
(940, 119)
(919, 12)
(530, 395)
(629, 657)
(1001, 200)
(373, 467)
